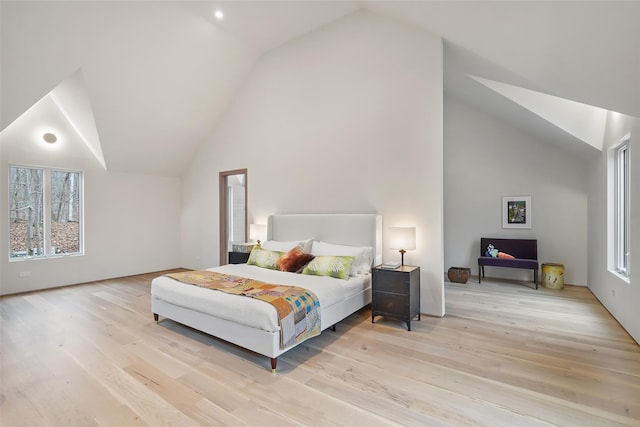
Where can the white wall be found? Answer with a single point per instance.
(346, 119)
(130, 220)
(486, 159)
(621, 298)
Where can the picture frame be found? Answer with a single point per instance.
(516, 212)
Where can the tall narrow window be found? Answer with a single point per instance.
(65, 212)
(45, 212)
(26, 212)
(622, 207)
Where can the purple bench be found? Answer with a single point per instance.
(525, 252)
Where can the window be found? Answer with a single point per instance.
(45, 212)
(621, 207)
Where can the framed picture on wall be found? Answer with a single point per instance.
(516, 212)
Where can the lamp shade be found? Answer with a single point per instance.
(402, 238)
(258, 232)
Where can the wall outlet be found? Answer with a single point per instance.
(24, 274)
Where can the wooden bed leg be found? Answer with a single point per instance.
(274, 362)
(155, 317)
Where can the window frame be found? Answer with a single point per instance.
(47, 216)
(622, 205)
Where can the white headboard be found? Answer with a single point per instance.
(340, 229)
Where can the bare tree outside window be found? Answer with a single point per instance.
(65, 212)
(30, 212)
(26, 225)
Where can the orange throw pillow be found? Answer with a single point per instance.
(504, 255)
(294, 260)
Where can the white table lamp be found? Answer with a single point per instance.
(403, 239)
(257, 232)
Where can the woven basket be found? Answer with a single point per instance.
(458, 274)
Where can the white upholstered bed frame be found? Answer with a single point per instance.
(342, 229)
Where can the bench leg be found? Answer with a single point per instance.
(480, 272)
(535, 277)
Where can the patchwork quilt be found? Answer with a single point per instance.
(298, 308)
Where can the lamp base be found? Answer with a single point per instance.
(402, 252)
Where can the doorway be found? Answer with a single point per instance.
(233, 210)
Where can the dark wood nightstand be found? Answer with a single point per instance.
(238, 257)
(396, 293)
(239, 252)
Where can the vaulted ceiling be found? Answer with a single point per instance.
(158, 75)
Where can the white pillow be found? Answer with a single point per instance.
(274, 245)
(363, 255)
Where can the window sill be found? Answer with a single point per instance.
(36, 258)
(621, 276)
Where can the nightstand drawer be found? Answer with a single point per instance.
(393, 304)
(391, 281)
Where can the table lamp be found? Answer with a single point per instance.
(403, 239)
(257, 232)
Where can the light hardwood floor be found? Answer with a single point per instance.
(505, 355)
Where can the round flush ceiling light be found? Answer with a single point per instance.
(50, 138)
(218, 14)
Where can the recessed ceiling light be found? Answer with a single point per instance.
(50, 138)
(218, 14)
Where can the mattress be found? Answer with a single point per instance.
(248, 311)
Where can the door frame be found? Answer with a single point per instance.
(224, 203)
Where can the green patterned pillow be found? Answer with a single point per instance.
(264, 258)
(334, 266)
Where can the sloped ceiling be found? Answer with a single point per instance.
(158, 75)
(583, 121)
(586, 51)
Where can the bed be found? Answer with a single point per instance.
(253, 324)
